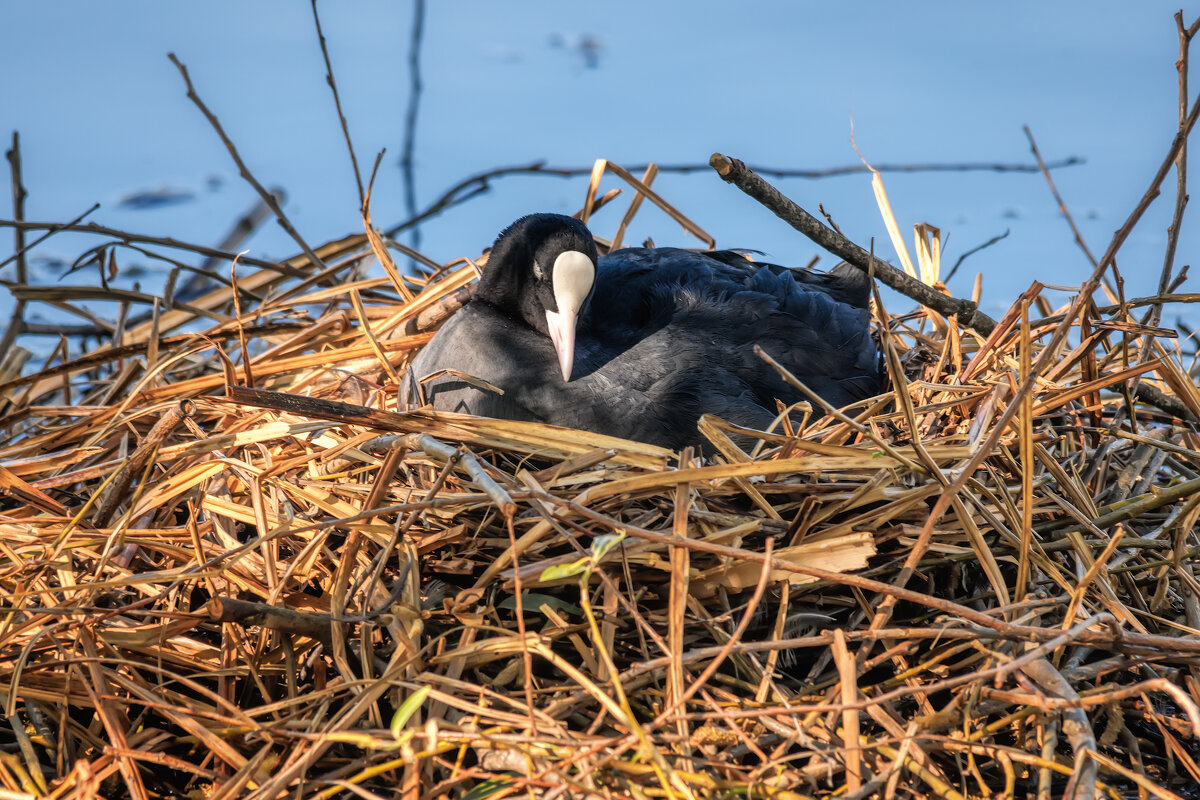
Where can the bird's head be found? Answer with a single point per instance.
(542, 270)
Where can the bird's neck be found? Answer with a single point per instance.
(501, 280)
(503, 286)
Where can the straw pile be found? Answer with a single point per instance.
(231, 565)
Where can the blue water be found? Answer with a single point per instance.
(103, 118)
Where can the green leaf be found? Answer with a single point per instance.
(409, 707)
(487, 788)
(535, 600)
(560, 571)
(602, 544)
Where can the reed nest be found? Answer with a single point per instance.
(233, 563)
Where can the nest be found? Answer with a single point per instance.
(233, 564)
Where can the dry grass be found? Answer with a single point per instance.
(296, 588)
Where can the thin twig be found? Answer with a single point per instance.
(480, 183)
(337, 101)
(972, 252)
(1135, 216)
(243, 170)
(1181, 196)
(163, 241)
(49, 232)
(240, 231)
(1049, 351)
(17, 318)
(1137, 302)
(410, 120)
(18, 199)
(1062, 206)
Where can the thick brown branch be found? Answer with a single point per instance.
(741, 176)
(286, 621)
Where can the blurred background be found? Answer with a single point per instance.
(103, 117)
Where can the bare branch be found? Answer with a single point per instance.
(478, 184)
(1181, 197)
(1135, 216)
(18, 196)
(737, 173)
(1062, 207)
(973, 251)
(410, 118)
(734, 171)
(266, 196)
(337, 101)
(164, 241)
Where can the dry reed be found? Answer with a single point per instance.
(233, 564)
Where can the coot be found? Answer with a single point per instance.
(640, 342)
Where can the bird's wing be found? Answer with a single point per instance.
(816, 324)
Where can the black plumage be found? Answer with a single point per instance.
(663, 336)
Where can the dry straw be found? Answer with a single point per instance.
(233, 564)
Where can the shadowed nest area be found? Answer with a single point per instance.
(234, 562)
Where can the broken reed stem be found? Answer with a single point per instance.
(137, 462)
(848, 679)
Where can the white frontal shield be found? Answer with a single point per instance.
(572, 279)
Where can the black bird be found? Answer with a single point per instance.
(641, 342)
